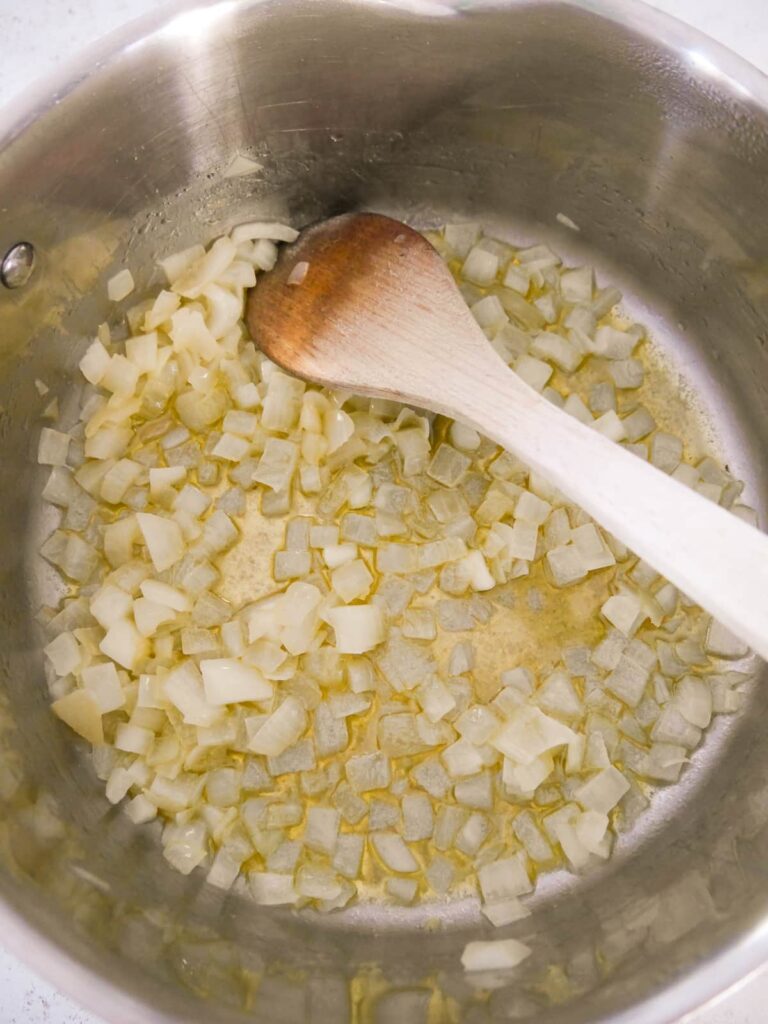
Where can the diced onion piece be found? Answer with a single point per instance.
(231, 448)
(625, 612)
(162, 482)
(277, 464)
(102, 682)
(120, 286)
(141, 810)
(557, 349)
(352, 580)
(462, 758)
(504, 878)
(610, 426)
(666, 451)
(53, 447)
(528, 733)
(461, 237)
(270, 889)
(163, 538)
(124, 644)
(163, 593)
(281, 729)
(254, 230)
(321, 831)
(448, 466)
(602, 792)
(95, 362)
(110, 604)
(533, 371)
(133, 739)
(118, 479)
(504, 912)
(463, 437)
(576, 285)
(64, 654)
(141, 350)
(524, 779)
(358, 628)
(394, 852)
(477, 571)
(368, 772)
(81, 713)
(241, 165)
(693, 699)
(480, 266)
(489, 313)
(495, 955)
(591, 828)
(335, 555)
(183, 687)
(722, 643)
(229, 681)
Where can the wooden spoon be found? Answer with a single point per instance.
(365, 303)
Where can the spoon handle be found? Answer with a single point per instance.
(711, 555)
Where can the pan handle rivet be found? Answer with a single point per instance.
(18, 264)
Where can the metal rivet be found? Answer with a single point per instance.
(17, 266)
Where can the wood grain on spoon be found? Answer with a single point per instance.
(372, 285)
(376, 311)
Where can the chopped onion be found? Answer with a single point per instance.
(281, 729)
(394, 853)
(81, 713)
(528, 733)
(229, 681)
(240, 706)
(498, 955)
(163, 538)
(120, 286)
(358, 628)
(102, 682)
(262, 229)
(604, 791)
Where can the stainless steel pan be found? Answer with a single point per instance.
(649, 137)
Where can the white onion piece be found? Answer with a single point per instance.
(281, 729)
(183, 687)
(498, 955)
(504, 912)
(604, 791)
(164, 594)
(163, 539)
(124, 644)
(120, 286)
(229, 681)
(53, 447)
(263, 229)
(394, 853)
(504, 878)
(529, 733)
(270, 889)
(80, 711)
(102, 682)
(358, 628)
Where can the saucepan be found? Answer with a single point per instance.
(531, 116)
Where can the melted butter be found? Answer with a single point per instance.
(532, 637)
(246, 570)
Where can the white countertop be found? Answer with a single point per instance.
(37, 35)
